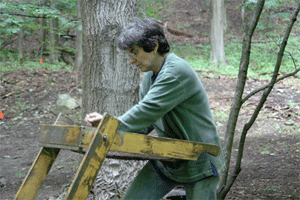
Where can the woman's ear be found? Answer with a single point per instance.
(156, 46)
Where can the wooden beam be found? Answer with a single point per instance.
(38, 170)
(156, 147)
(92, 161)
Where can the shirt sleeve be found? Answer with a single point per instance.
(165, 94)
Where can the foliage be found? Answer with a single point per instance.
(31, 65)
(151, 8)
(15, 15)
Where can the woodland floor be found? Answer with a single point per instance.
(270, 168)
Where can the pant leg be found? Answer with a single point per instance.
(202, 190)
(148, 185)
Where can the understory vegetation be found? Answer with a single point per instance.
(15, 16)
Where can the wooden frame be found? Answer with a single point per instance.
(98, 144)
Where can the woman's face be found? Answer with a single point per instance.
(145, 61)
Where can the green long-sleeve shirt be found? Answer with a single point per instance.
(177, 106)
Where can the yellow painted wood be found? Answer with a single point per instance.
(156, 146)
(89, 167)
(63, 137)
(148, 145)
(163, 147)
(37, 173)
(69, 135)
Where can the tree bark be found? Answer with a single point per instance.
(21, 47)
(53, 37)
(218, 23)
(44, 33)
(44, 37)
(78, 57)
(110, 83)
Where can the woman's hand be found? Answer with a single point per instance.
(93, 119)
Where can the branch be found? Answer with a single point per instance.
(236, 104)
(243, 15)
(174, 31)
(261, 102)
(268, 85)
(24, 15)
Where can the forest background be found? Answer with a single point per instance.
(38, 43)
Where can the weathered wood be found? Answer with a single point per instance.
(93, 159)
(37, 174)
(39, 170)
(147, 147)
(161, 147)
(61, 137)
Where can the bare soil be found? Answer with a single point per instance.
(270, 168)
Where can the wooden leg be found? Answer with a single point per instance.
(37, 174)
(38, 171)
(93, 159)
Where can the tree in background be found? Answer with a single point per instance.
(26, 18)
(218, 25)
(78, 57)
(53, 35)
(227, 180)
(110, 83)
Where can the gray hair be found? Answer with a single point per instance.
(144, 33)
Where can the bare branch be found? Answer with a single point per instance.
(236, 104)
(268, 85)
(243, 15)
(262, 100)
(24, 15)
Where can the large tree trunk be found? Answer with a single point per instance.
(218, 24)
(110, 84)
(78, 58)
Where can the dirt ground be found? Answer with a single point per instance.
(270, 168)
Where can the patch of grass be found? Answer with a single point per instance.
(152, 8)
(219, 115)
(30, 65)
(262, 59)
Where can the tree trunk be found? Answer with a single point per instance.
(110, 84)
(44, 33)
(21, 47)
(236, 104)
(78, 57)
(53, 37)
(44, 37)
(218, 23)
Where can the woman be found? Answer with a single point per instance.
(174, 102)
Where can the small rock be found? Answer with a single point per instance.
(289, 123)
(3, 182)
(3, 136)
(60, 109)
(67, 100)
(60, 167)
